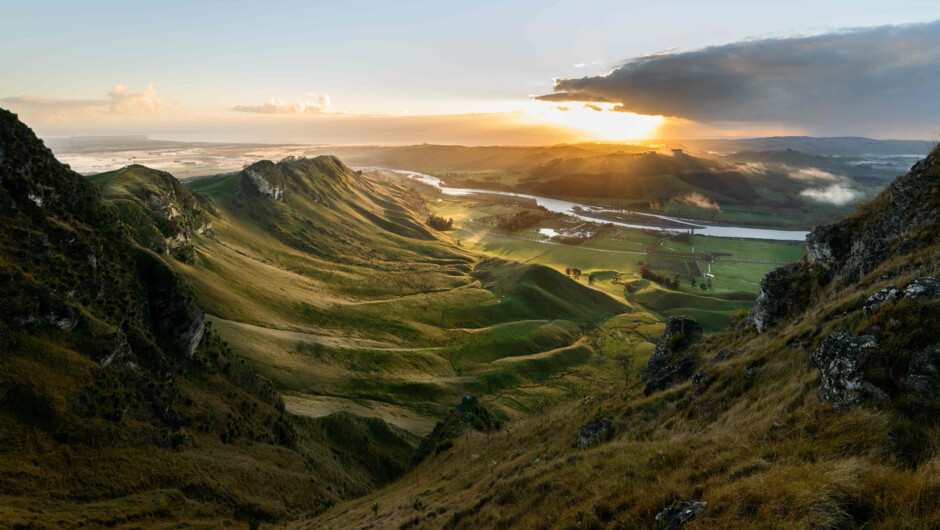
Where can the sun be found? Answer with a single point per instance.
(599, 122)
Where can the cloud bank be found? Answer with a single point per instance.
(119, 101)
(320, 105)
(847, 80)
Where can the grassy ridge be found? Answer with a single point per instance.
(339, 292)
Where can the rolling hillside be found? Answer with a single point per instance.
(332, 286)
(818, 410)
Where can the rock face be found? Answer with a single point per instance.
(78, 271)
(595, 431)
(178, 318)
(162, 214)
(468, 414)
(678, 513)
(267, 179)
(775, 298)
(861, 242)
(668, 365)
(841, 360)
(900, 219)
(923, 375)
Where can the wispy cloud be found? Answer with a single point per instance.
(696, 199)
(124, 101)
(839, 194)
(321, 104)
(874, 77)
(119, 101)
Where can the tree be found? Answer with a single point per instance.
(591, 280)
(576, 273)
(693, 282)
(702, 286)
(708, 282)
(439, 223)
(375, 510)
(568, 271)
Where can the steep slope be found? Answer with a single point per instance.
(162, 214)
(819, 410)
(334, 287)
(118, 402)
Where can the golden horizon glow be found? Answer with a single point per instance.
(600, 122)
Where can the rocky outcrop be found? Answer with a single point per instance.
(887, 226)
(900, 219)
(919, 290)
(923, 375)
(470, 413)
(163, 215)
(266, 178)
(879, 299)
(668, 365)
(678, 513)
(841, 359)
(775, 299)
(925, 288)
(76, 270)
(595, 431)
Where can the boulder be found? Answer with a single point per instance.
(923, 375)
(925, 288)
(723, 355)
(841, 359)
(678, 513)
(595, 431)
(667, 364)
(774, 301)
(879, 299)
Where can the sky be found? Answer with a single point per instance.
(510, 72)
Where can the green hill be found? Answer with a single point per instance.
(821, 409)
(162, 214)
(119, 403)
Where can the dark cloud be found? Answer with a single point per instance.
(888, 76)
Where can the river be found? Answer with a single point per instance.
(593, 213)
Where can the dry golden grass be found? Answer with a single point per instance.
(756, 445)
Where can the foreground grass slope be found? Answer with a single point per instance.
(749, 434)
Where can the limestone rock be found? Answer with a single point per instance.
(678, 513)
(595, 431)
(667, 364)
(923, 375)
(775, 299)
(841, 360)
(267, 179)
(925, 288)
(879, 299)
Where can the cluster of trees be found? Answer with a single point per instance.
(439, 223)
(576, 274)
(706, 285)
(519, 221)
(659, 278)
